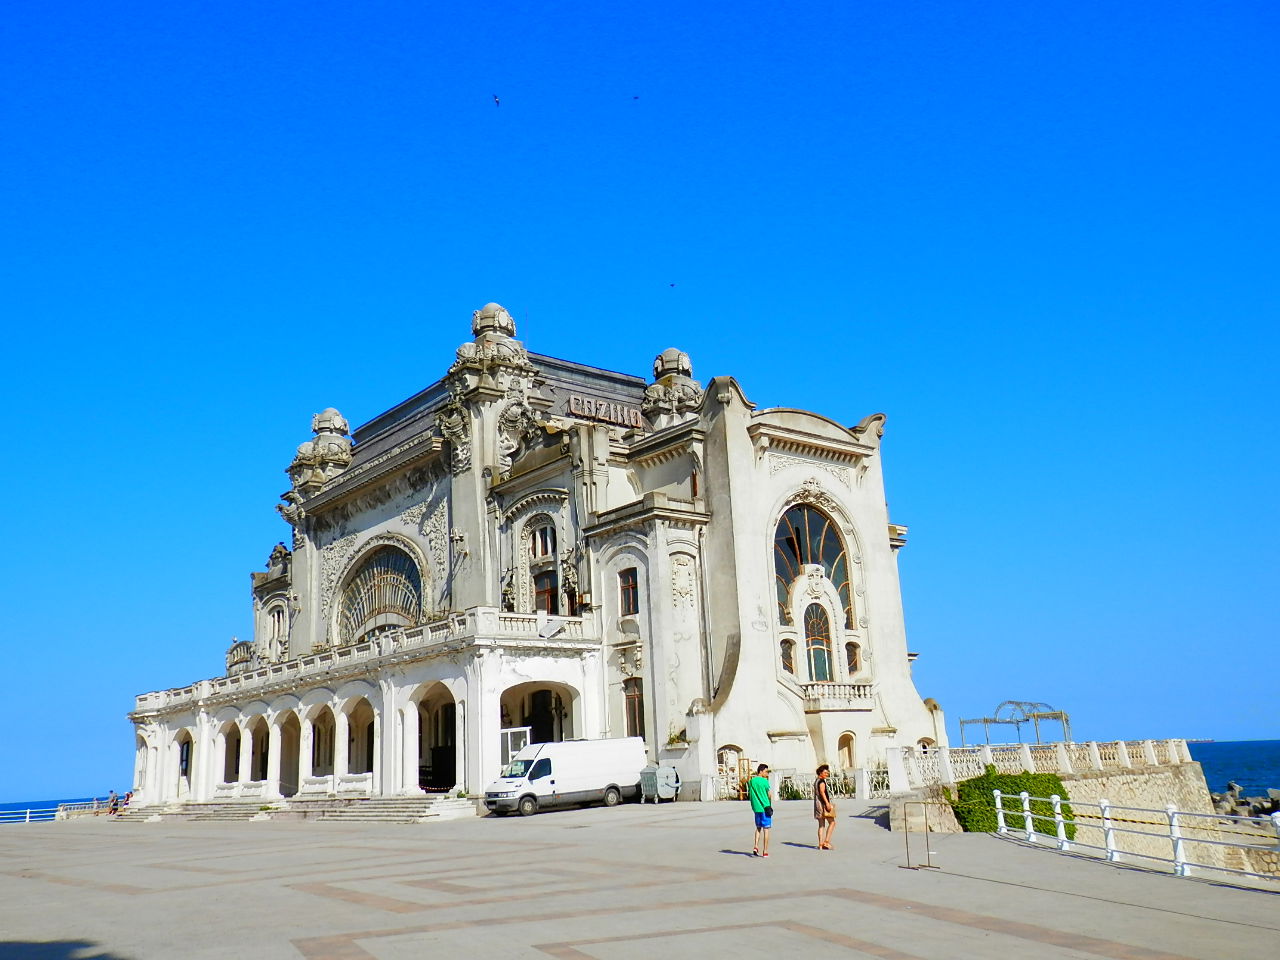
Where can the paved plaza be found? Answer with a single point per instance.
(615, 884)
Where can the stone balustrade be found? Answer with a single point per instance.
(838, 696)
(456, 631)
(947, 765)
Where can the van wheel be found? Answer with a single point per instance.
(612, 797)
(528, 806)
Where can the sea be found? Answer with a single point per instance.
(1254, 764)
(45, 809)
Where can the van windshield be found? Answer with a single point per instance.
(517, 768)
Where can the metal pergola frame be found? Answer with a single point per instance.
(1018, 712)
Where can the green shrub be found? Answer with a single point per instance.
(975, 802)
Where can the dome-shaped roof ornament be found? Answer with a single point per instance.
(492, 317)
(674, 396)
(671, 361)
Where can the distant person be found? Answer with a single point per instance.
(127, 797)
(824, 808)
(758, 794)
(113, 803)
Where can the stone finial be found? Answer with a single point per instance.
(671, 361)
(325, 455)
(492, 317)
(674, 395)
(330, 420)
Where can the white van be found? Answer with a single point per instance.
(574, 771)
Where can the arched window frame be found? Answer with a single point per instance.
(804, 537)
(412, 563)
(817, 643)
(811, 583)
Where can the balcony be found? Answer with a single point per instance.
(821, 697)
(484, 625)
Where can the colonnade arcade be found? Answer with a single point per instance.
(328, 742)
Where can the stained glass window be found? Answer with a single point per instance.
(386, 592)
(817, 637)
(804, 536)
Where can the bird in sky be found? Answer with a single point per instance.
(496, 101)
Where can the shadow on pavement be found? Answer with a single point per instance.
(54, 950)
(738, 853)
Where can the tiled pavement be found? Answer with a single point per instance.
(631, 882)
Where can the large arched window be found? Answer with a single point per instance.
(817, 639)
(385, 593)
(805, 536)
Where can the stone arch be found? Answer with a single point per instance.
(432, 718)
(541, 508)
(229, 741)
(259, 733)
(362, 735)
(847, 750)
(551, 709)
(290, 738)
(184, 746)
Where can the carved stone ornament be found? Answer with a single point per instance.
(779, 462)
(674, 395)
(494, 345)
(682, 581)
(454, 422)
(517, 427)
(326, 455)
(811, 492)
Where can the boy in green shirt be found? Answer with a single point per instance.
(758, 794)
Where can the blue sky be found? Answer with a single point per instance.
(1040, 237)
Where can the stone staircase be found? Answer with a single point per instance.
(350, 809)
(379, 809)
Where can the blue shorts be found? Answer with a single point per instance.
(763, 821)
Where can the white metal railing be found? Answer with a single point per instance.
(1177, 831)
(29, 815)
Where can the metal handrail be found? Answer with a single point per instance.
(1172, 823)
(29, 815)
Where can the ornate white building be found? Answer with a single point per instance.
(533, 549)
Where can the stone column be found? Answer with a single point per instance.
(1064, 758)
(460, 748)
(341, 726)
(410, 738)
(306, 739)
(273, 760)
(379, 769)
(246, 754)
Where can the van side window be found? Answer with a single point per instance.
(541, 768)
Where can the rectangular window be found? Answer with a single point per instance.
(546, 594)
(633, 692)
(628, 592)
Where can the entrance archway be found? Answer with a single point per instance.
(323, 727)
(261, 745)
(361, 747)
(438, 738)
(546, 708)
(186, 750)
(230, 752)
(290, 738)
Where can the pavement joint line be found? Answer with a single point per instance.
(567, 949)
(1013, 928)
(344, 946)
(1119, 903)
